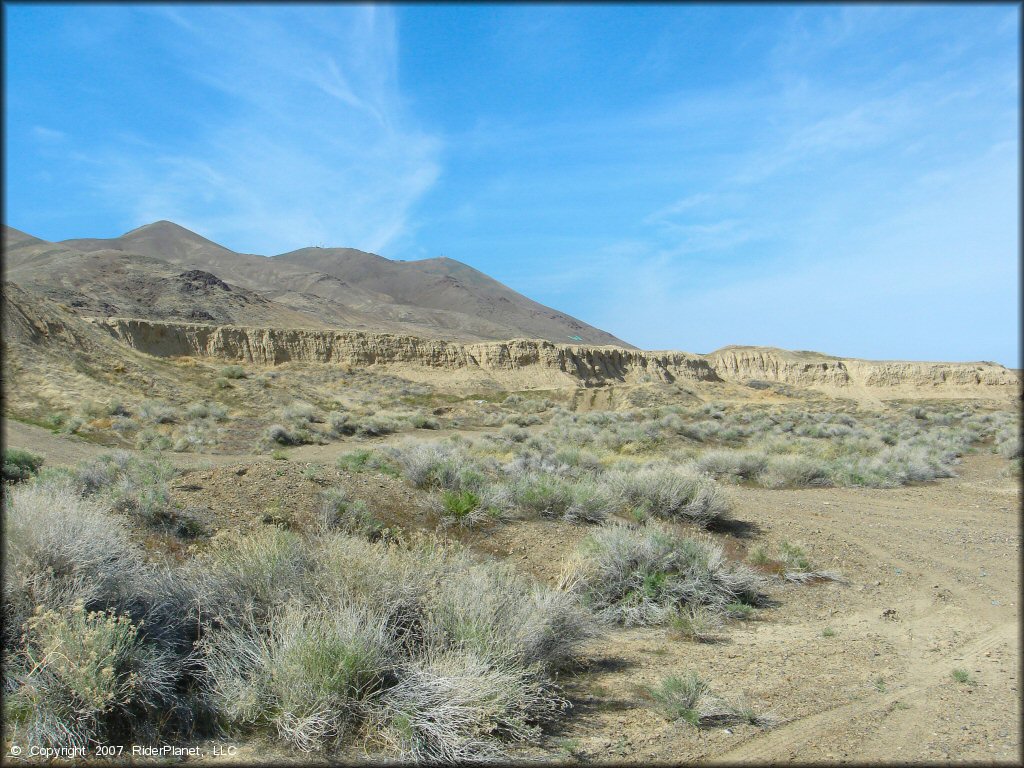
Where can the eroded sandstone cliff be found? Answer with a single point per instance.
(534, 363)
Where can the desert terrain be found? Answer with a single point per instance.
(346, 524)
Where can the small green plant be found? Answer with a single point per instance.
(759, 556)
(364, 460)
(794, 557)
(678, 697)
(459, 504)
(279, 455)
(828, 632)
(340, 512)
(879, 684)
(962, 676)
(355, 461)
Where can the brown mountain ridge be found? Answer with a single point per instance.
(163, 271)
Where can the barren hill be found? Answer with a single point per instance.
(135, 275)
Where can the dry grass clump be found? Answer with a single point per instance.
(670, 492)
(689, 698)
(415, 648)
(734, 465)
(338, 511)
(442, 465)
(95, 639)
(1008, 442)
(60, 549)
(646, 575)
(82, 678)
(134, 486)
(158, 412)
(306, 675)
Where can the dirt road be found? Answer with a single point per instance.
(859, 671)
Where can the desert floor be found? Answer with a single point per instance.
(859, 670)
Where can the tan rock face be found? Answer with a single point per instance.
(821, 372)
(535, 363)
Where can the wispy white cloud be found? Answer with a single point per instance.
(310, 142)
(47, 135)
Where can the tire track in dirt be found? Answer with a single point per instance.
(788, 739)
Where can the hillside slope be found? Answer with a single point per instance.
(337, 287)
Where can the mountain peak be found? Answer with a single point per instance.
(165, 228)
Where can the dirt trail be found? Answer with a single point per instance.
(933, 576)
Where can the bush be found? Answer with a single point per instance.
(20, 464)
(459, 504)
(679, 697)
(696, 622)
(454, 707)
(339, 512)
(249, 576)
(733, 465)
(424, 422)
(83, 678)
(787, 471)
(136, 487)
(542, 494)
(300, 413)
(438, 465)
(158, 413)
(644, 576)
(670, 492)
(690, 699)
(339, 423)
(309, 677)
(375, 426)
(277, 433)
(233, 372)
(61, 549)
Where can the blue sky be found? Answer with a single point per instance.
(836, 178)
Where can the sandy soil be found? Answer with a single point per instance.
(932, 584)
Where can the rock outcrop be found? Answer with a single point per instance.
(524, 363)
(527, 361)
(814, 370)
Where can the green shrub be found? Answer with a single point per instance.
(364, 460)
(459, 504)
(424, 422)
(695, 622)
(158, 413)
(679, 697)
(962, 676)
(20, 464)
(733, 465)
(134, 486)
(309, 677)
(794, 557)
